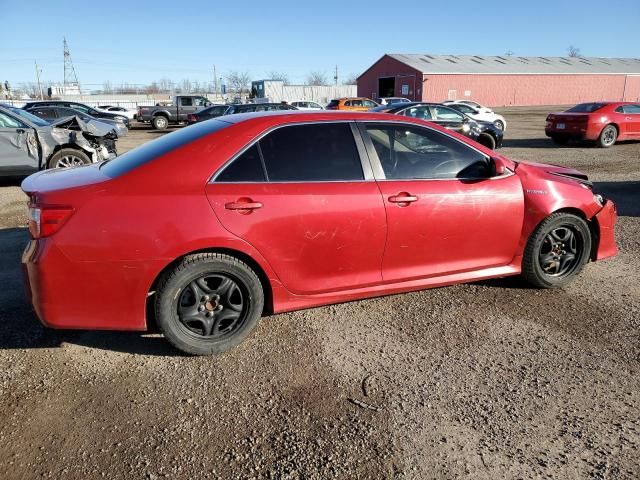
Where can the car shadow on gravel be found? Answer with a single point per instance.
(21, 329)
(12, 181)
(626, 196)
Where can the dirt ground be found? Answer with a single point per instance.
(489, 380)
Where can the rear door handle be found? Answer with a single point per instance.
(243, 204)
(403, 197)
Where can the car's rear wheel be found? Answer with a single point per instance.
(557, 251)
(487, 140)
(208, 303)
(68, 157)
(160, 122)
(560, 139)
(608, 136)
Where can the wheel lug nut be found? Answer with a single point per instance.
(205, 298)
(201, 308)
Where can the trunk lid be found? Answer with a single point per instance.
(62, 179)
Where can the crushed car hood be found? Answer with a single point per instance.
(556, 170)
(97, 129)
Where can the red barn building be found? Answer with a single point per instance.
(500, 81)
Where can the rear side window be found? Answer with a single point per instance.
(631, 109)
(246, 168)
(586, 107)
(311, 153)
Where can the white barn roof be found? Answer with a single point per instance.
(476, 64)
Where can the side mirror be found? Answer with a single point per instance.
(499, 168)
(207, 104)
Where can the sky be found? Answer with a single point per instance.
(142, 41)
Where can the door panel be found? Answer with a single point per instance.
(452, 226)
(317, 237)
(18, 150)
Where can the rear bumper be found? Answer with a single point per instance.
(606, 219)
(575, 132)
(68, 294)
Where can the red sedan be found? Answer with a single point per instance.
(212, 226)
(602, 122)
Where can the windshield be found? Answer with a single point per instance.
(29, 116)
(156, 148)
(586, 107)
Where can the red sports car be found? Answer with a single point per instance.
(603, 122)
(212, 226)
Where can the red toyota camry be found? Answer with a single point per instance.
(210, 227)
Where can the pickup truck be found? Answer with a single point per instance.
(161, 116)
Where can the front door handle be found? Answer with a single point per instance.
(20, 130)
(243, 205)
(403, 199)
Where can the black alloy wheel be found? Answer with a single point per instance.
(556, 251)
(560, 251)
(208, 303)
(212, 306)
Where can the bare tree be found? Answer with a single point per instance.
(316, 78)
(239, 81)
(351, 79)
(186, 86)
(164, 85)
(283, 77)
(573, 51)
(106, 87)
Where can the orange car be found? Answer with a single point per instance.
(358, 104)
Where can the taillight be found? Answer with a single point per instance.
(47, 220)
(192, 118)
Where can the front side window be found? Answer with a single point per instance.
(407, 152)
(9, 122)
(368, 103)
(246, 168)
(421, 112)
(311, 153)
(446, 114)
(199, 102)
(465, 109)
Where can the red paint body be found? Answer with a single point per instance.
(313, 243)
(588, 126)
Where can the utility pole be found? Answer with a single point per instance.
(215, 80)
(335, 77)
(38, 79)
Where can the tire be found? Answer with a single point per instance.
(539, 266)
(68, 157)
(560, 140)
(608, 136)
(186, 303)
(487, 140)
(160, 122)
(499, 124)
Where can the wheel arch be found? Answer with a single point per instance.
(240, 255)
(161, 113)
(73, 146)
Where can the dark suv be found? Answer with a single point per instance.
(81, 107)
(219, 110)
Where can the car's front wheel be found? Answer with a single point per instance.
(68, 157)
(208, 303)
(557, 251)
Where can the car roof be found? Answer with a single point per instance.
(294, 116)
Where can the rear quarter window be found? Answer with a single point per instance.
(156, 148)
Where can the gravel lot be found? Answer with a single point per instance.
(483, 381)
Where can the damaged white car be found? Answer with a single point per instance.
(29, 143)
